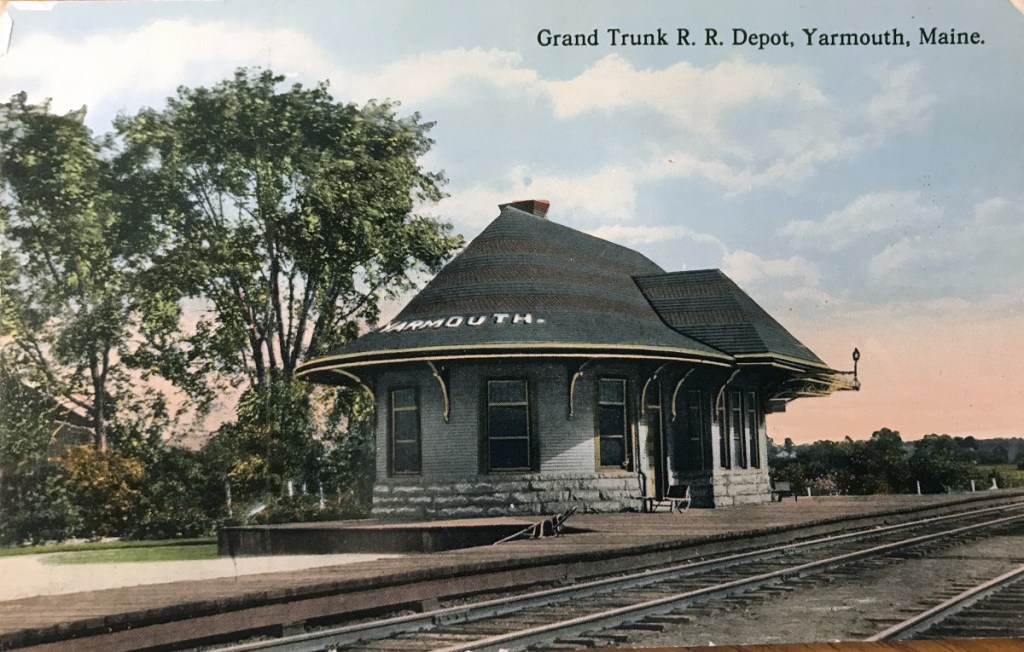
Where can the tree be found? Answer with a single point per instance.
(33, 502)
(71, 251)
(940, 463)
(878, 465)
(289, 217)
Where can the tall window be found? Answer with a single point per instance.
(653, 445)
(405, 432)
(753, 435)
(724, 458)
(692, 452)
(612, 421)
(508, 425)
(736, 429)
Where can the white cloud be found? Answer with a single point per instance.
(608, 192)
(969, 252)
(126, 69)
(798, 131)
(439, 74)
(811, 295)
(871, 213)
(633, 236)
(738, 125)
(903, 101)
(692, 97)
(746, 267)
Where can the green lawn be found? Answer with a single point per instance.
(127, 555)
(1010, 472)
(115, 551)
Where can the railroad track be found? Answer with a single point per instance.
(992, 609)
(594, 613)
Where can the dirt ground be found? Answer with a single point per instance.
(848, 607)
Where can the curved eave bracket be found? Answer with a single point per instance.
(721, 393)
(444, 390)
(675, 392)
(572, 384)
(643, 392)
(357, 380)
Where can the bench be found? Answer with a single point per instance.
(677, 497)
(782, 489)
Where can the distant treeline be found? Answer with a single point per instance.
(885, 464)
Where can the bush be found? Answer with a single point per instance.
(36, 507)
(172, 505)
(105, 488)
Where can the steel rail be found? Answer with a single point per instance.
(623, 615)
(352, 634)
(940, 612)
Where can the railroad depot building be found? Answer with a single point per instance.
(544, 368)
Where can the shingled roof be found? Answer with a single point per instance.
(709, 307)
(528, 285)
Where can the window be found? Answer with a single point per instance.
(654, 443)
(692, 452)
(405, 432)
(723, 436)
(508, 425)
(612, 421)
(754, 436)
(736, 429)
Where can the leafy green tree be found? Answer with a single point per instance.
(289, 216)
(34, 505)
(878, 465)
(71, 250)
(940, 463)
(174, 500)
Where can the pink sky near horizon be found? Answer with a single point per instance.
(919, 376)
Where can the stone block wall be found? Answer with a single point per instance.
(494, 495)
(741, 487)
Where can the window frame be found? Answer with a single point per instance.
(532, 454)
(627, 425)
(735, 428)
(416, 407)
(694, 448)
(752, 422)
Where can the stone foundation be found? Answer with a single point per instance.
(741, 487)
(505, 496)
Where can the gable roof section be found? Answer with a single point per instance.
(708, 306)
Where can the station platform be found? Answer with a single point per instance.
(598, 543)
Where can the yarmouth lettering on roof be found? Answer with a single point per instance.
(456, 321)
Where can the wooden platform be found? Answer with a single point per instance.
(178, 610)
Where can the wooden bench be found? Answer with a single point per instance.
(677, 498)
(782, 489)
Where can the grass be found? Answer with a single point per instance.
(1010, 473)
(125, 550)
(135, 554)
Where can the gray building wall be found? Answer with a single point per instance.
(451, 483)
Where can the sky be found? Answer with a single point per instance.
(867, 196)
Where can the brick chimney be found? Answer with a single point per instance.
(538, 207)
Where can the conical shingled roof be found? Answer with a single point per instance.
(526, 284)
(708, 306)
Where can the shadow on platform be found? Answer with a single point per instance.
(368, 536)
